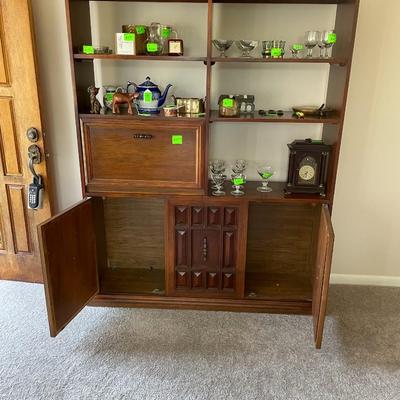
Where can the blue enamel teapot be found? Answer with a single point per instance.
(150, 98)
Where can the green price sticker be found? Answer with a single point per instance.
(276, 52)
(238, 181)
(177, 139)
(147, 96)
(332, 38)
(267, 175)
(152, 47)
(129, 37)
(109, 97)
(298, 47)
(166, 33)
(88, 49)
(227, 103)
(140, 29)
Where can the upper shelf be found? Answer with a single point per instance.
(290, 60)
(242, 1)
(139, 58)
(332, 61)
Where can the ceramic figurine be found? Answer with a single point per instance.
(150, 99)
(95, 105)
(123, 98)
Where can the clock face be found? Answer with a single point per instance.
(307, 172)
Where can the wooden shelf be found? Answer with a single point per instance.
(136, 58)
(332, 61)
(133, 281)
(124, 115)
(286, 118)
(277, 286)
(245, 1)
(276, 196)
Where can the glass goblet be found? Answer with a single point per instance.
(321, 45)
(310, 42)
(222, 46)
(246, 47)
(266, 172)
(219, 180)
(328, 39)
(239, 166)
(217, 167)
(296, 49)
(237, 180)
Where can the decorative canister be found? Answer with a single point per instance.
(141, 35)
(109, 93)
(228, 106)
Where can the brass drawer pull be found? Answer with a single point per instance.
(142, 136)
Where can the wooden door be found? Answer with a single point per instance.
(19, 111)
(70, 256)
(322, 274)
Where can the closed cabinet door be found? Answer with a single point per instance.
(205, 250)
(19, 114)
(135, 156)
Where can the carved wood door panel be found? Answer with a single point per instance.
(19, 111)
(203, 262)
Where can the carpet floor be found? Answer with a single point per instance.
(146, 354)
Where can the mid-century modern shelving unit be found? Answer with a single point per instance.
(149, 233)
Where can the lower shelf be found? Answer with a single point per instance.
(261, 285)
(133, 281)
(235, 305)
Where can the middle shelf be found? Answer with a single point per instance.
(288, 117)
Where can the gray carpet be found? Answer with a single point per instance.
(157, 354)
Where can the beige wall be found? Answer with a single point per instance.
(367, 206)
(367, 211)
(57, 99)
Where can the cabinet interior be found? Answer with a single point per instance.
(281, 247)
(281, 250)
(134, 243)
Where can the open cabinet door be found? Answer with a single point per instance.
(69, 258)
(322, 274)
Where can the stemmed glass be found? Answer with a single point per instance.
(266, 172)
(219, 180)
(222, 46)
(328, 39)
(238, 179)
(239, 167)
(296, 49)
(321, 44)
(311, 41)
(246, 46)
(217, 167)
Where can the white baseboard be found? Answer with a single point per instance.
(372, 280)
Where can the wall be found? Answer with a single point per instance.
(57, 100)
(367, 206)
(366, 213)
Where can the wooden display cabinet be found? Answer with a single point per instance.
(150, 234)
